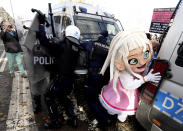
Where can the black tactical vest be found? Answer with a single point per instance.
(68, 58)
(99, 51)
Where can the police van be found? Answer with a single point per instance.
(89, 19)
(161, 107)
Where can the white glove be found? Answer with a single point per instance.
(156, 77)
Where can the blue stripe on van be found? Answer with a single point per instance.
(169, 105)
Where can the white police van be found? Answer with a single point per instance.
(89, 19)
(162, 108)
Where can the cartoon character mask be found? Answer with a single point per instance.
(130, 51)
(138, 60)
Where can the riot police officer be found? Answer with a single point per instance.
(62, 79)
(97, 52)
(64, 52)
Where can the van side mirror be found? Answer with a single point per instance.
(179, 59)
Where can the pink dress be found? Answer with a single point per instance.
(126, 102)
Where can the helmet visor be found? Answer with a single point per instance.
(72, 39)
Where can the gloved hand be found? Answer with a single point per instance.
(41, 19)
(156, 77)
(56, 40)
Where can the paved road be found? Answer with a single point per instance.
(16, 111)
(15, 99)
(5, 89)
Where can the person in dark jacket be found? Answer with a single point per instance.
(65, 51)
(61, 83)
(97, 52)
(12, 48)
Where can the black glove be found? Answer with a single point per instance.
(56, 40)
(41, 19)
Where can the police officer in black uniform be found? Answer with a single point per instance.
(62, 81)
(97, 53)
(65, 51)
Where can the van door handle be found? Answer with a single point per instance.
(168, 75)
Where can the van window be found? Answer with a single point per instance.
(90, 28)
(65, 21)
(61, 22)
(112, 29)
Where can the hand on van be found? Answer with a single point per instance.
(153, 77)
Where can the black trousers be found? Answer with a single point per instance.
(57, 94)
(92, 91)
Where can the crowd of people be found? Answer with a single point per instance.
(114, 72)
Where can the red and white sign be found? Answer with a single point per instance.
(160, 19)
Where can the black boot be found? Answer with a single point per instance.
(37, 103)
(70, 113)
(52, 111)
(52, 124)
(73, 122)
